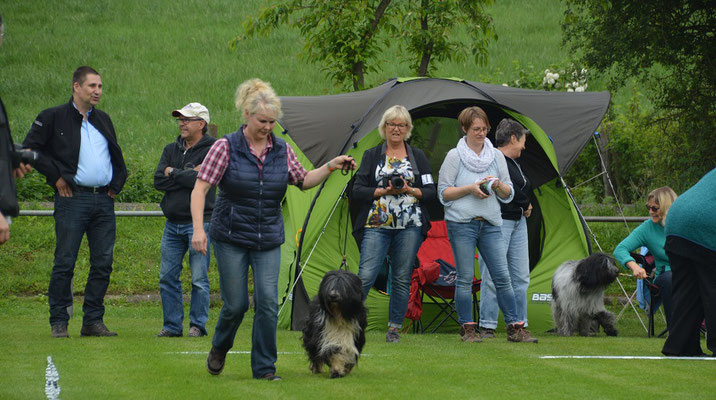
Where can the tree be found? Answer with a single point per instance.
(670, 47)
(430, 31)
(348, 36)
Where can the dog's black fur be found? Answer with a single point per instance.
(578, 296)
(335, 331)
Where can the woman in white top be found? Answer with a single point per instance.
(473, 178)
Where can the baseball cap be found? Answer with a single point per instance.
(193, 110)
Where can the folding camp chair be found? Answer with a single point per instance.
(647, 262)
(435, 278)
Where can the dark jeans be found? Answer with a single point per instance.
(74, 216)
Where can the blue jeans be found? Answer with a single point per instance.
(82, 213)
(464, 237)
(233, 264)
(404, 244)
(176, 240)
(514, 234)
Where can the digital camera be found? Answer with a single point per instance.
(395, 179)
(486, 187)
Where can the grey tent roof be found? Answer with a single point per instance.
(326, 126)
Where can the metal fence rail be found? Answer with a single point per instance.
(48, 213)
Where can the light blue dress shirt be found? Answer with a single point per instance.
(95, 165)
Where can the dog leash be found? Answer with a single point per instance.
(345, 170)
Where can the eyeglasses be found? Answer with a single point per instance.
(187, 120)
(391, 125)
(482, 129)
(652, 208)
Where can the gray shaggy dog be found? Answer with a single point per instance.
(335, 331)
(578, 296)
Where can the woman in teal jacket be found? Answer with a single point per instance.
(650, 234)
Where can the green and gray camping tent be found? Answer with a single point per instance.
(321, 127)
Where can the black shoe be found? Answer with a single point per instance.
(59, 331)
(215, 361)
(271, 377)
(98, 329)
(166, 333)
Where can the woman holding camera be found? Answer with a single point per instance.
(473, 178)
(391, 189)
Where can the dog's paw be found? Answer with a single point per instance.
(316, 368)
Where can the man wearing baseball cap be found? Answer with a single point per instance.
(175, 176)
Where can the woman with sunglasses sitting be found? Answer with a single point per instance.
(650, 234)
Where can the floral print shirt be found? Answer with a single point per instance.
(394, 212)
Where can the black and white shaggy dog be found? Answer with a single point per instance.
(578, 296)
(335, 331)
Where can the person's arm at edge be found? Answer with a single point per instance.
(199, 240)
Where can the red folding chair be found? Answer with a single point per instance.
(435, 278)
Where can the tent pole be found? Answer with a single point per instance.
(298, 268)
(299, 272)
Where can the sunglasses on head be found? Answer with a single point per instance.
(652, 208)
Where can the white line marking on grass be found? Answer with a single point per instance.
(243, 352)
(634, 358)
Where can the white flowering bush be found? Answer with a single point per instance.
(554, 78)
(571, 79)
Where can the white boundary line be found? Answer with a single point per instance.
(632, 358)
(292, 353)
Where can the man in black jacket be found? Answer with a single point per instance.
(82, 161)
(9, 169)
(175, 176)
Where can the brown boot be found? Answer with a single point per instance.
(518, 333)
(468, 333)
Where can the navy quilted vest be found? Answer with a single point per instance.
(248, 208)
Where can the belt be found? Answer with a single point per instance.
(479, 219)
(92, 189)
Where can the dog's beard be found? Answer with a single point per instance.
(334, 309)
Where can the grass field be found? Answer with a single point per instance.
(157, 56)
(137, 365)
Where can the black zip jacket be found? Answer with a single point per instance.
(361, 194)
(55, 134)
(178, 185)
(8, 192)
(514, 209)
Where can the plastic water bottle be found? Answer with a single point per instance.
(52, 378)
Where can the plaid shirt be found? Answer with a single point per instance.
(217, 160)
